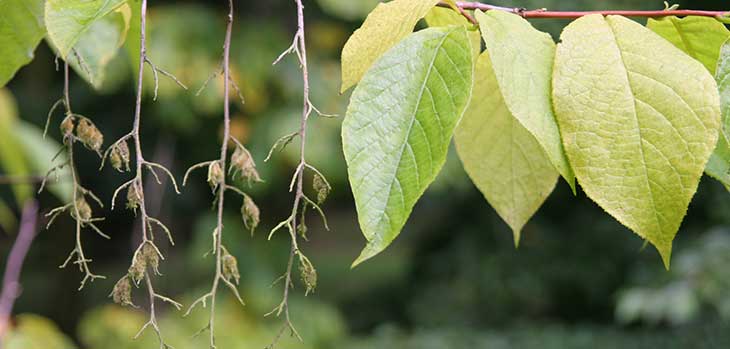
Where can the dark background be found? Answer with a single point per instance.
(451, 280)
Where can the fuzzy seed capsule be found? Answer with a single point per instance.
(321, 187)
(215, 174)
(242, 162)
(119, 157)
(308, 274)
(230, 268)
(67, 126)
(122, 292)
(134, 197)
(89, 134)
(83, 209)
(137, 269)
(250, 213)
(150, 256)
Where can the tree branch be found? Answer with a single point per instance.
(543, 13)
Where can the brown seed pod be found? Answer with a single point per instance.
(307, 273)
(119, 157)
(230, 268)
(242, 162)
(150, 256)
(67, 126)
(137, 269)
(321, 187)
(215, 174)
(83, 209)
(89, 134)
(122, 292)
(134, 196)
(250, 213)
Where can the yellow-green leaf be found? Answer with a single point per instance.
(398, 127)
(67, 20)
(639, 120)
(443, 17)
(502, 158)
(384, 27)
(21, 29)
(719, 165)
(699, 37)
(522, 58)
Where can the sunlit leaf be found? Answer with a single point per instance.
(36, 332)
(68, 20)
(502, 158)
(523, 62)
(699, 37)
(719, 165)
(639, 120)
(21, 29)
(398, 127)
(442, 17)
(388, 24)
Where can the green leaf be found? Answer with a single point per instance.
(719, 165)
(639, 120)
(502, 158)
(699, 37)
(523, 63)
(67, 20)
(98, 45)
(398, 127)
(21, 30)
(38, 153)
(12, 161)
(8, 221)
(388, 24)
(443, 17)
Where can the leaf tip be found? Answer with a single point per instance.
(368, 252)
(666, 253)
(516, 235)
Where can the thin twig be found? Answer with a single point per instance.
(543, 13)
(11, 278)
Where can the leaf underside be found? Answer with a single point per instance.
(21, 29)
(719, 165)
(384, 27)
(502, 158)
(67, 20)
(398, 127)
(522, 58)
(639, 120)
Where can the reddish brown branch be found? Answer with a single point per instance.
(542, 13)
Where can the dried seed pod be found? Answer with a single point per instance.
(122, 292)
(89, 134)
(230, 268)
(307, 273)
(137, 269)
(67, 126)
(242, 162)
(83, 209)
(150, 256)
(302, 230)
(119, 157)
(250, 213)
(134, 196)
(215, 174)
(321, 187)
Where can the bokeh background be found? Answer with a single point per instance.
(451, 280)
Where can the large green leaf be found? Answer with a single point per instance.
(523, 64)
(68, 20)
(21, 29)
(503, 159)
(388, 24)
(98, 45)
(699, 37)
(398, 127)
(443, 17)
(12, 162)
(639, 120)
(719, 165)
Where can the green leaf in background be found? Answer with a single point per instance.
(21, 29)
(503, 159)
(98, 45)
(443, 17)
(639, 120)
(348, 10)
(699, 37)
(388, 24)
(719, 165)
(67, 20)
(398, 127)
(8, 221)
(12, 162)
(522, 58)
(38, 153)
(36, 332)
